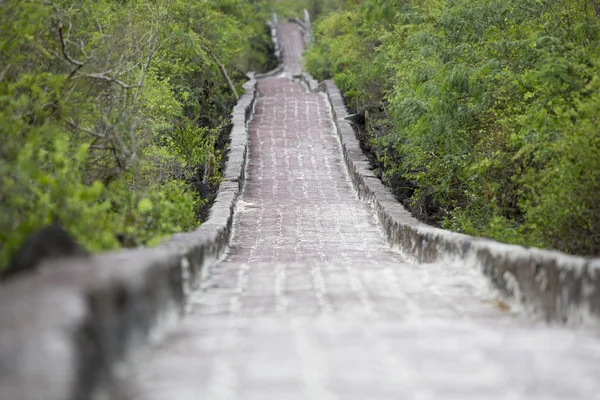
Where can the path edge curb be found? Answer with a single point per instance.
(277, 49)
(65, 330)
(549, 284)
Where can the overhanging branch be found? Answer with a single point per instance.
(63, 46)
(104, 77)
(225, 75)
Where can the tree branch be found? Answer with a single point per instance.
(63, 46)
(73, 125)
(225, 75)
(104, 77)
(99, 147)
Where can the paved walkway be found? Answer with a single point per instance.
(292, 41)
(310, 302)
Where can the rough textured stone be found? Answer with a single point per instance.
(63, 330)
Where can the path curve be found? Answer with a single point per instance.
(311, 303)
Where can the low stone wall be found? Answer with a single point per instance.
(311, 83)
(306, 27)
(550, 284)
(65, 330)
(275, 37)
(278, 50)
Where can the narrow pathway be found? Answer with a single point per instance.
(292, 40)
(311, 303)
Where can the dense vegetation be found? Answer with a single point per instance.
(295, 8)
(483, 114)
(111, 112)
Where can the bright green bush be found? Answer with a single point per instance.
(110, 112)
(486, 108)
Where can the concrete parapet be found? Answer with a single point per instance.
(65, 330)
(306, 26)
(553, 285)
(276, 39)
(311, 83)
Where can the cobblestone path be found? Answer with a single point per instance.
(310, 302)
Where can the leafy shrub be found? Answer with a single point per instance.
(487, 108)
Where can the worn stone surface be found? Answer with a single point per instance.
(63, 329)
(395, 355)
(311, 303)
(292, 40)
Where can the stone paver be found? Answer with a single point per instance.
(310, 302)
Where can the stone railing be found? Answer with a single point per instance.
(65, 330)
(306, 27)
(278, 49)
(275, 37)
(553, 285)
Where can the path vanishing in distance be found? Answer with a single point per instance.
(311, 303)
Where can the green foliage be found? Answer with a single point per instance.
(487, 107)
(295, 8)
(111, 112)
